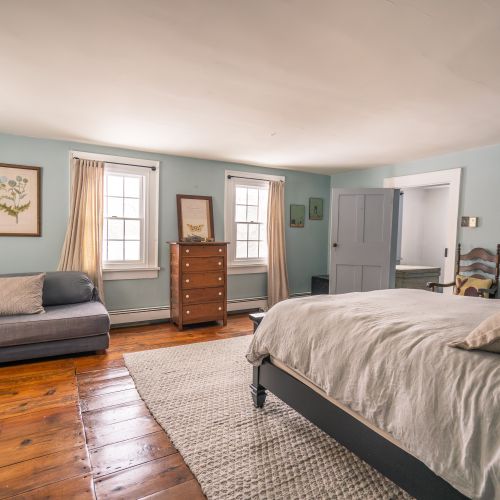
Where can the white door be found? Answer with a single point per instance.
(364, 239)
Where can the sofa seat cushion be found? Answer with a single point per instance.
(58, 323)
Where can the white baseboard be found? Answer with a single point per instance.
(144, 314)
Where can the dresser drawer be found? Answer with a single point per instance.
(202, 250)
(203, 312)
(195, 264)
(202, 295)
(202, 280)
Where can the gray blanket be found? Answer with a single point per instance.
(384, 354)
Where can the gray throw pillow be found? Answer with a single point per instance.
(21, 295)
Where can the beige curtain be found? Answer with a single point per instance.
(277, 277)
(83, 243)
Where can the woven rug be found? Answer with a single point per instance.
(200, 395)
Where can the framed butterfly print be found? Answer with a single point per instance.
(195, 218)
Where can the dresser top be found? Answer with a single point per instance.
(201, 243)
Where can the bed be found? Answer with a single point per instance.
(374, 371)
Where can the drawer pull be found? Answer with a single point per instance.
(220, 263)
(187, 264)
(220, 250)
(187, 296)
(220, 308)
(187, 250)
(188, 312)
(220, 293)
(220, 279)
(187, 281)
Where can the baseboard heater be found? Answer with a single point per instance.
(162, 313)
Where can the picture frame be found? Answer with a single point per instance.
(297, 215)
(195, 218)
(315, 208)
(20, 200)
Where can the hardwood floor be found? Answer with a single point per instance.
(75, 427)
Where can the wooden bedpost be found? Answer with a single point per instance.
(258, 391)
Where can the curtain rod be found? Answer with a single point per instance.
(251, 178)
(119, 163)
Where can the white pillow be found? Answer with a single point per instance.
(485, 337)
(21, 295)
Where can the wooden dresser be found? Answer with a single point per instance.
(198, 282)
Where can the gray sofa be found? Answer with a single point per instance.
(75, 320)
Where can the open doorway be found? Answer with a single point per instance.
(428, 227)
(424, 219)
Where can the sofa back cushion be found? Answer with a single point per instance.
(21, 295)
(65, 287)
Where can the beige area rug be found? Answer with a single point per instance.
(200, 395)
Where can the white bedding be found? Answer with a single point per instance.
(384, 355)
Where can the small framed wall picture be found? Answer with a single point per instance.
(195, 218)
(20, 200)
(297, 215)
(315, 208)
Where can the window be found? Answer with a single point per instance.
(246, 221)
(130, 225)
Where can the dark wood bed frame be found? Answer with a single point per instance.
(402, 468)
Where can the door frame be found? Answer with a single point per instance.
(452, 178)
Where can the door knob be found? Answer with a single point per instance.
(335, 245)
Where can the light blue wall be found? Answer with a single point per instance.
(306, 248)
(480, 190)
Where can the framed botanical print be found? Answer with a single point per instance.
(297, 215)
(20, 200)
(195, 218)
(315, 208)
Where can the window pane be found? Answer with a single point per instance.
(241, 249)
(253, 249)
(114, 185)
(115, 229)
(115, 207)
(241, 196)
(241, 213)
(253, 197)
(105, 250)
(131, 207)
(263, 250)
(132, 187)
(252, 214)
(253, 232)
(262, 205)
(241, 231)
(132, 250)
(132, 230)
(263, 232)
(115, 250)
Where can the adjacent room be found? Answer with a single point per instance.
(249, 250)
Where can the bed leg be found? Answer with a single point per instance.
(258, 391)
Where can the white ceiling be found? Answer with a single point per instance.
(307, 84)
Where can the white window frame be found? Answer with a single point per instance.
(246, 266)
(148, 268)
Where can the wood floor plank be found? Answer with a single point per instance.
(121, 431)
(115, 414)
(98, 362)
(39, 421)
(41, 471)
(45, 377)
(92, 389)
(107, 400)
(143, 480)
(34, 445)
(101, 375)
(119, 456)
(36, 390)
(189, 490)
(76, 488)
(20, 369)
(62, 395)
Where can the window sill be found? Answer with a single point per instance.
(247, 269)
(130, 274)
